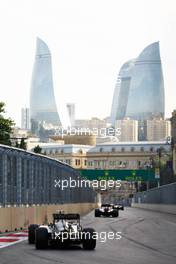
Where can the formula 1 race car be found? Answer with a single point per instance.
(118, 206)
(107, 210)
(64, 231)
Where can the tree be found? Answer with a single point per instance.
(6, 125)
(16, 144)
(38, 149)
(23, 144)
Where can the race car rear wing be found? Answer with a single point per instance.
(66, 216)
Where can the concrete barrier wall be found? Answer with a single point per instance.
(21, 217)
(165, 194)
(164, 208)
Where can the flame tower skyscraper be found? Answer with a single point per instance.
(139, 92)
(42, 101)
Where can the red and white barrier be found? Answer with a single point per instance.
(7, 240)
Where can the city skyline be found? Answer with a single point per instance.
(88, 50)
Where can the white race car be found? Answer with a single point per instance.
(64, 231)
(107, 210)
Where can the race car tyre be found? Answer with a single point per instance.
(31, 233)
(97, 213)
(41, 239)
(89, 238)
(115, 213)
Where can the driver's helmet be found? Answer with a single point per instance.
(61, 225)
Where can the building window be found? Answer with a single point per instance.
(80, 151)
(112, 163)
(142, 149)
(151, 149)
(132, 149)
(122, 149)
(77, 162)
(85, 162)
(113, 149)
(139, 163)
(101, 149)
(123, 164)
(67, 161)
(90, 163)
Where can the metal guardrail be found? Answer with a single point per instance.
(29, 179)
(165, 194)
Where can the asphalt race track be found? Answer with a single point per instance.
(147, 237)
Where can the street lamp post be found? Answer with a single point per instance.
(159, 150)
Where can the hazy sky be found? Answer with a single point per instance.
(89, 41)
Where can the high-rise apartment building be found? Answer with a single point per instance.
(71, 113)
(25, 120)
(128, 129)
(158, 129)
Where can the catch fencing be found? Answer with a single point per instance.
(32, 179)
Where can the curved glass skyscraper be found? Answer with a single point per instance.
(42, 101)
(139, 93)
(121, 92)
